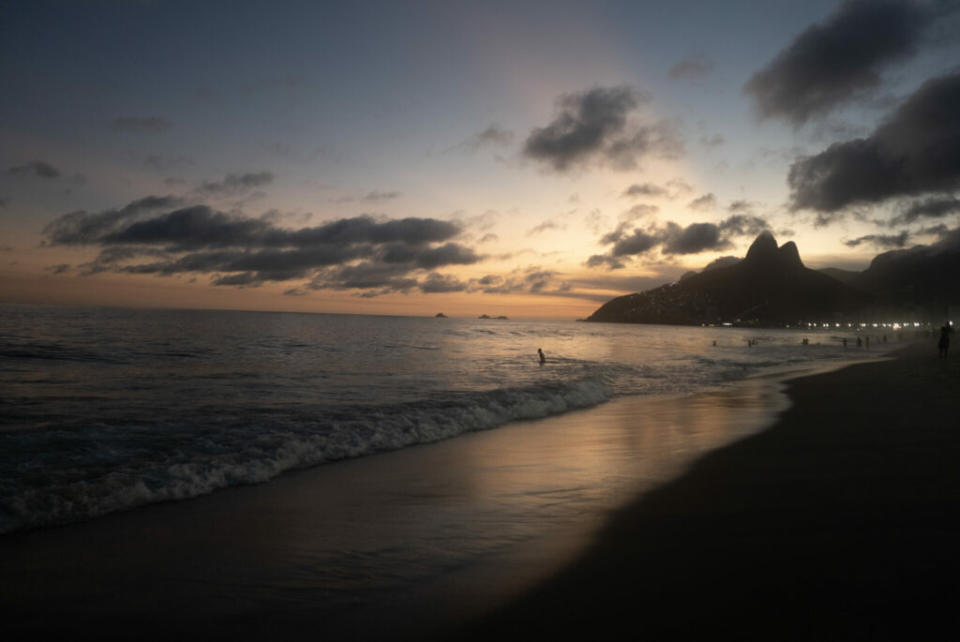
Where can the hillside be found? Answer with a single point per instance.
(770, 287)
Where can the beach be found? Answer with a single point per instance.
(841, 512)
(841, 522)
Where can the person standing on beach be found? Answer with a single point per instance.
(543, 359)
(944, 344)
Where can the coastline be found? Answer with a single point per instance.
(382, 547)
(841, 521)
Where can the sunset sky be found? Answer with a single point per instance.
(532, 159)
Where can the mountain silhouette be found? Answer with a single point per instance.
(921, 280)
(770, 286)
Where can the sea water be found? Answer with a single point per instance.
(104, 409)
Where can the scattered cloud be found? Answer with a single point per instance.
(37, 168)
(140, 125)
(936, 207)
(645, 189)
(493, 136)
(679, 187)
(637, 212)
(885, 241)
(915, 151)
(839, 59)
(593, 126)
(377, 195)
(546, 226)
(529, 280)
(671, 238)
(693, 68)
(167, 163)
(703, 203)
(233, 184)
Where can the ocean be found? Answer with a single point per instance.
(106, 409)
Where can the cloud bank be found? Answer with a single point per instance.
(148, 237)
(916, 151)
(839, 59)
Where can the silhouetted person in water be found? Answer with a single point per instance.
(868, 343)
(859, 342)
(543, 359)
(944, 344)
(844, 342)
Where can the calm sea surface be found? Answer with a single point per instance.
(105, 409)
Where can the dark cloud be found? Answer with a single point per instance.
(439, 283)
(916, 151)
(236, 183)
(693, 239)
(937, 207)
(140, 125)
(881, 240)
(740, 206)
(60, 268)
(79, 228)
(692, 68)
(359, 252)
(448, 254)
(702, 203)
(638, 242)
(838, 59)
(645, 189)
(743, 225)
(593, 125)
(37, 168)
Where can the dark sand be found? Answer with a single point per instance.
(842, 522)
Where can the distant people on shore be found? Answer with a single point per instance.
(859, 342)
(943, 345)
(844, 342)
(543, 359)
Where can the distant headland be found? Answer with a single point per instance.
(771, 287)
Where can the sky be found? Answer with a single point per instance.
(529, 159)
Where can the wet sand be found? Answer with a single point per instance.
(841, 522)
(400, 545)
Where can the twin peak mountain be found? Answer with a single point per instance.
(769, 287)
